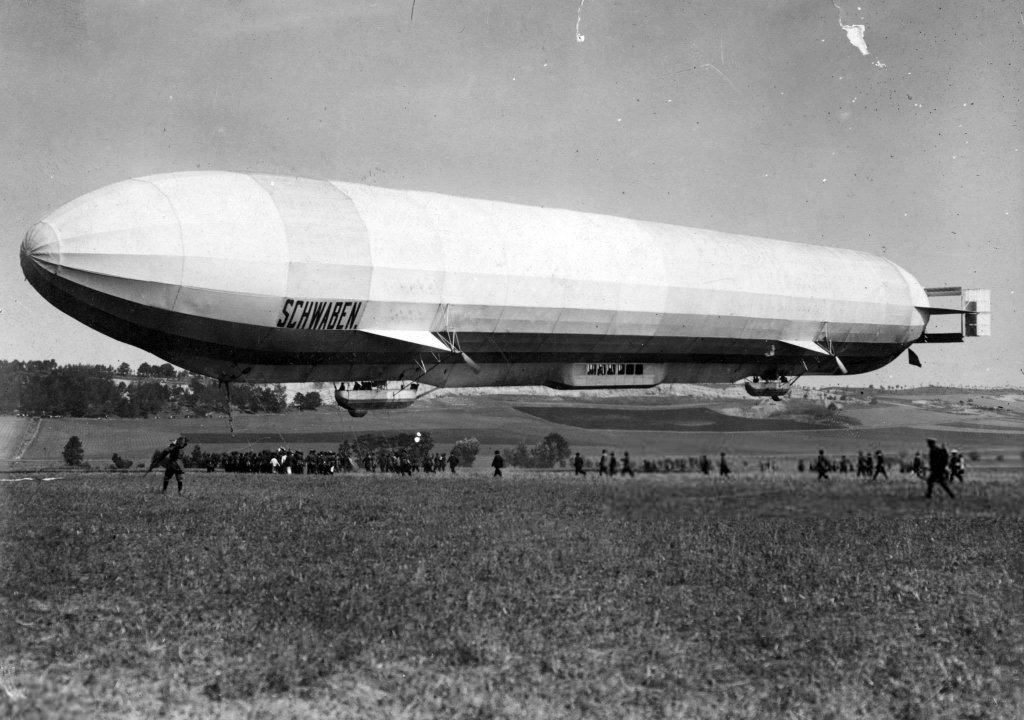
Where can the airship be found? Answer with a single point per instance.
(263, 278)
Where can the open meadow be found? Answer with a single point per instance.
(536, 595)
(648, 427)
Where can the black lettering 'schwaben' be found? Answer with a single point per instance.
(319, 314)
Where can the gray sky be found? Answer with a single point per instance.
(762, 118)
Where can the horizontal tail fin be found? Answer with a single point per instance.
(975, 312)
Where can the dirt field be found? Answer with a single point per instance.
(538, 596)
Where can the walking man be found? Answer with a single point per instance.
(497, 463)
(938, 459)
(723, 467)
(577, 464)
(822, 465)
(957, 465)
(627, 465)
(880, 466)
(170, 456)
(602, 466)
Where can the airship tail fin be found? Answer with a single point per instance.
(974, 308)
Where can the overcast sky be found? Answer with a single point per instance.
(762, 118)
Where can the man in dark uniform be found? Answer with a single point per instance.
(723, 467)
(938, 459)
(822, 465)
(627, 465)
(602, 465)
(956, 466)
(880, 466)
(169, 458)
(577, 464)
(497, 463)
(705, 465)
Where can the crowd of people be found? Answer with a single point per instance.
(944, 463)
(401, 462)
(943, 466)
(286, 461)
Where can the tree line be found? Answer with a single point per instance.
(42, 387)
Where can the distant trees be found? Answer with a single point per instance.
(74, 390)
(466, 451)
(73, 451)
(45, 388)
(11, 374)
(161, 371)
(552, 450)
(308, 401)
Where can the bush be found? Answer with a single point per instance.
(552, 450)
(73, 451)
(974, 455)
(120, 463)
(466, 451)
(310, 401)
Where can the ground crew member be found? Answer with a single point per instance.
(938, 459)
(918, 466)
(723, 467)
(822, 465)
(880, 465)
(602, 466)
(957, 465)
(577, 464)
(627, 465)
(497, 463)
(170, 456)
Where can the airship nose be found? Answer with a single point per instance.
(40, 250)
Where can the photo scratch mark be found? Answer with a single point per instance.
(579, 17)
(854, 33)
(707, 66)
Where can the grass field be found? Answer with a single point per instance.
(538, 595)
(646, 427)
(12, 434)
